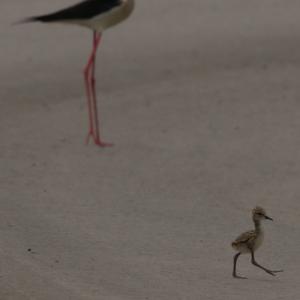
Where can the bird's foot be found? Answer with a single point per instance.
(271, 272)
(97, 140)
(276, 271)
(99, 143)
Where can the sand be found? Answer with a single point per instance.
(201, 101)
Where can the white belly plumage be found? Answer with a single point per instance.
(109, 19)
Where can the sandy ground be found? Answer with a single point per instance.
(201, 99)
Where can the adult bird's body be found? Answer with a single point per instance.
(97, 15)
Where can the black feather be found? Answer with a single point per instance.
(81, 11)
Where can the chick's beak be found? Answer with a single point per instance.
(268, 218)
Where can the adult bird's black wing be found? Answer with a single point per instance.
(81, 11)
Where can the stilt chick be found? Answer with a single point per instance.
(250, 241)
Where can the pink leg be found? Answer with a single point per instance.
(88, 95)
(97, 139)
(89, 75)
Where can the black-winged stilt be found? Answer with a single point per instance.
(97, 15)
